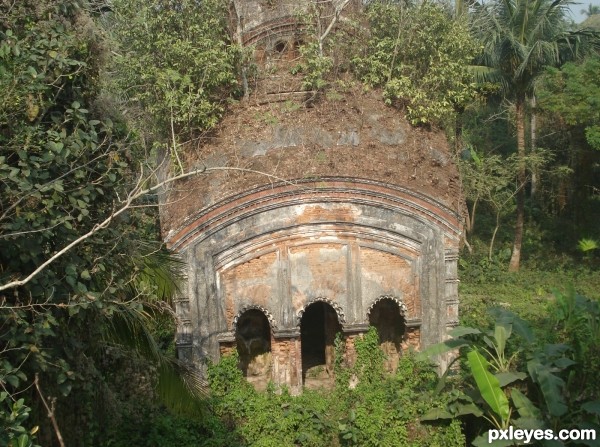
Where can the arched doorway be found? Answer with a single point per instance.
(253, 340)
(318, 327)
(388, 318)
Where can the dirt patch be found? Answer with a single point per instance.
(283, 134)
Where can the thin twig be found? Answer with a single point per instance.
(50, 408)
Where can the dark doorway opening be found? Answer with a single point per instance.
(253, 339)
(318, 328)
(389, 322)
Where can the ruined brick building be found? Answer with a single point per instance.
(356, 223)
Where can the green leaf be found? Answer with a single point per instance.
(488, 385)
(505, 378)
(482, 440)
(23, 440)
(12, 380)
(442, 348)
(592, 407)
(502, 332)
(524, 406)
(464, 409)
(519, 326)
(528, 423)
(564, 362)
(85, 275)
(461, 331)
(437, 413)
(551, 386)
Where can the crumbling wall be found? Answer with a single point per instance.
(311, 199)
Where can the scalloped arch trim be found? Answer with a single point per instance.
(398, 301)
(338, 309)
(248, 307)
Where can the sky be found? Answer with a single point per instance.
(583, 4)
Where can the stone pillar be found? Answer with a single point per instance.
(451, 258)
(287, 361)
(184, 338)
(227, 343)
(412, 338)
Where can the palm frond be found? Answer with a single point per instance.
(160, 273)
(180, 387)
(522, 37)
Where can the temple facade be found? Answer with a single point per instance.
(320, 216)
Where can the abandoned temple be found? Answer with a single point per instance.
(335, 214)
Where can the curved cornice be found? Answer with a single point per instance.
(307, 234)
(306, 191)
(280, 26)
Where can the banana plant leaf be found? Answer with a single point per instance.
(488, 385)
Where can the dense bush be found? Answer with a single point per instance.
(380, 410)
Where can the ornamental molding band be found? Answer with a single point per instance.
(332, 199)
(302, 191)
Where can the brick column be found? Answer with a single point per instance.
(351, 333)
(287, 361)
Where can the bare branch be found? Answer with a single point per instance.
(50, 410)
(336, 16)
(126, 203)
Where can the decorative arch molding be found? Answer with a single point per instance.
(248, 307)
(398, 301)
(209, 220)
(338, 309)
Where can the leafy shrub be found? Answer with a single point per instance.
(381, 410)
(540, 383)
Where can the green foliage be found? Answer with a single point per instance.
(314, 66)
(586, 245)
(147, 427)
(521, 38)
(12, 417)
(544, 395)
(175, 63)
(419, 56)
(573, 93)
(380, 410)
(64, 168)
(369, 357)
(386, 411)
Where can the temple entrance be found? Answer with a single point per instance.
(253, 340)
(318, 328)
(387, 318)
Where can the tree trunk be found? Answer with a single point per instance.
(535, 177)
(515, 260)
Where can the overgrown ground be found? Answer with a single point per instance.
(527, 293)
(382, 410)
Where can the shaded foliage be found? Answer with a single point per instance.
(65, 167)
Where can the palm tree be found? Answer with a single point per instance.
(592, 10)
(520, 39)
